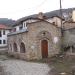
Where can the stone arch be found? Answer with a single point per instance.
(22, 48)
(15, 47)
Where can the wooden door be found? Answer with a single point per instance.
(44, 48)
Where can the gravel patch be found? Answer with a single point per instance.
(19, 67)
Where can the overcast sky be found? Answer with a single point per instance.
(15, 9)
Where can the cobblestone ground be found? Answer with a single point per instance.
(19, 67)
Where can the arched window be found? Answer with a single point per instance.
(22, 48)
(15, 47)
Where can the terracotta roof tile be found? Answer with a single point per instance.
(3, 26)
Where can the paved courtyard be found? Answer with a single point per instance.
(19, 67)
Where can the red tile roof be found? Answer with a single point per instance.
(3, 26)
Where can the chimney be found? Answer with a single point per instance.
(40, 15)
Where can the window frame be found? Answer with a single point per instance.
(4, 41)
(3, 32)
(0, 41)
(0, 33)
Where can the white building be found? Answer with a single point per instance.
(4, 30)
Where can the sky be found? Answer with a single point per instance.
(15, 9)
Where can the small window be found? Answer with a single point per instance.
(25, 25)
(21, 27)
(4, 41)
(10, 30)
(3, 32)
(0, 41)
(53, 22)
(14, 29)
(0, 34)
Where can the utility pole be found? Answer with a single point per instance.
(61, 18)
(61, 28)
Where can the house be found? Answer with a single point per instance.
(4, 30)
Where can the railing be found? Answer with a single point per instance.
(18, 32)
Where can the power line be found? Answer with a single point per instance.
(32, 9)
(41, 4)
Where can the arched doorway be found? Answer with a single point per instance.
(22, 48)
(15, 47)
(44, 48)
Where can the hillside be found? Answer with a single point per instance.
(6, 21)
(65, 14)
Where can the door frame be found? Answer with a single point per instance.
(47, 48)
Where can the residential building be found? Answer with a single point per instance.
(4, 30)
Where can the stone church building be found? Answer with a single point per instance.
(38, 36)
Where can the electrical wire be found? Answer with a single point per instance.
(32, 9)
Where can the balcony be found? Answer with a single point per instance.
(18, 32)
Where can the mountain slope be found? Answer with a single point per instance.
(6, 21)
